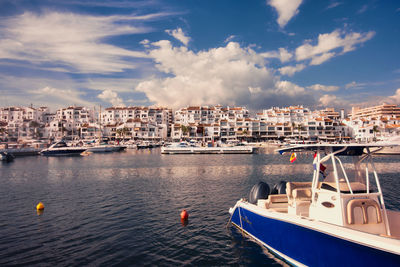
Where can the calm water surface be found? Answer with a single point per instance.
(123, 208)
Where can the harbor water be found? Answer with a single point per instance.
(123, 209)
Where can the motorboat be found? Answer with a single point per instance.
(7, 157)
(390, 150)
(104, 147)
(61, 148)
(338, 218)
(187, 148)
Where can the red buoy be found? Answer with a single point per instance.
(184, 215)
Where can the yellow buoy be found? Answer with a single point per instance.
(40, 206)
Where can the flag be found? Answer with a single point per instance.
(293, 157)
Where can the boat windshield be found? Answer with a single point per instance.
(60, 144)
(354, 174)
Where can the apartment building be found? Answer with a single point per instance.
(374, 123)
(22, 122)
(299, 123)
(208, 122)
(137, 122)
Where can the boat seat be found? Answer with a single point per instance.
(363, 211)
(302, 194)
(298, 191)
(277, 202)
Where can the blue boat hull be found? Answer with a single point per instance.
(310, 247)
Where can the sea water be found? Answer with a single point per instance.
(123, 209)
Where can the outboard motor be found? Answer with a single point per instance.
(259, 191)
(279, 188)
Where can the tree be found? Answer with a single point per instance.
(299, 128)
(375, 130)
(186, 130)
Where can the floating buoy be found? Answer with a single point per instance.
(184, 215)
(40, 206)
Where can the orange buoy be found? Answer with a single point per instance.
(184, 215)
(40, 206)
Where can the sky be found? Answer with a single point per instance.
(258, 54)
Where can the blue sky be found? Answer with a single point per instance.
(256, 54)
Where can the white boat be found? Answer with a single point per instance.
(392, 146)
(62, 149)
(185, 148)
(104, 148)
(338, 218)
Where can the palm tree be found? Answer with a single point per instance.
(299, 128)
(184, 129)
(375, 130)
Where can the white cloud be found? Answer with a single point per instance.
(254, 90)
(318, 60)
(326, 88)
(283, 55)
(286, 9)
(179, 35)
(329, 42)
(362, 9)
(395, 99)
(145, 42)
(334, 4)
(229, 75)
(230, 38)
(289, 88)
(333, 101)
(59, 97)
(112, 97)
(68, 41)
(291, 70)
(354, 85)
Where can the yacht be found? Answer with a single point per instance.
(60, 148)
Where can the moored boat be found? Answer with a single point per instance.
(184, 148)
(62, 149)
(7, 157)
(105, 148)
(338, 218)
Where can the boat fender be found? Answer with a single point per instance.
(259, 191)
(279, 188)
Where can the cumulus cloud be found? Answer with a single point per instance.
(111, 97)
(333, 101)
(229, 75)
(326, 88)
(331, 44)
(289, 88)
(395, 99)
(179, 35)
(291, 70)
(71, 42)
(286, 10)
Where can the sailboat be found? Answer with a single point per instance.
(101, 146)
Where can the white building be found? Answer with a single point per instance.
(374, 123)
